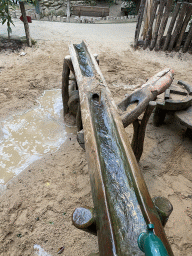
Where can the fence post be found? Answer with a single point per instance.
(177, 27)
(168, 36)
(188, 40)
(157, 24)
(139, 21)
(185, 23)
(163, 24)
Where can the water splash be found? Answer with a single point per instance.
(27, 137)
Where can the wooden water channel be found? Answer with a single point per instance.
(124, 216)
(165, 27)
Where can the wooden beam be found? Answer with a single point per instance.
(122, 203)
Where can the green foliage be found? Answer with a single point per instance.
(5, 16)
(130, 7)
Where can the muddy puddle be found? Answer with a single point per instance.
(26, 137)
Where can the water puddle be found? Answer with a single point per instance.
(40, 251)
(27, 137)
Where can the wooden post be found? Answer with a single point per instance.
(177, 27)
(168, 36)
(68, 11)
(108, 150)
(149, 32)
(139, 21)
(157, 24)
(163, 24)
(185, 23)
(188, 40)
(26, 25)
(147, 17)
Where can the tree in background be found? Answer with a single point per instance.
(6, 17)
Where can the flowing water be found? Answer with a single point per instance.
(28, 136)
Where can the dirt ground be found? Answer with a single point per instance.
(37, 205)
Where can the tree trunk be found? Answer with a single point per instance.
(68, 11)
(26, 25)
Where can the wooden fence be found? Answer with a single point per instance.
(166, 28)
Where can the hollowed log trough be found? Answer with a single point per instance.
(123, 208)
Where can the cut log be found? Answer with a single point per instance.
(157, 24)
(163, 24)
(174, 16)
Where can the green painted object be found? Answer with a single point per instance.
(150, 244)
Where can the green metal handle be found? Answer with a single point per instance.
(151, 244)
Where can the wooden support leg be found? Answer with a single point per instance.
(67, 67)
(163, 207)
(139, 131)
(85, 219)
(78, 119)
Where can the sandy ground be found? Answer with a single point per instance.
(37, 205)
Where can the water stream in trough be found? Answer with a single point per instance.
(26, 137)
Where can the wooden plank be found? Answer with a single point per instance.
(188, 40)
(185, 23)
(139, 22)
(178, 26)
(157, 24)
(174, 16)
(163, 24)
(149, 32)
(93, 11)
